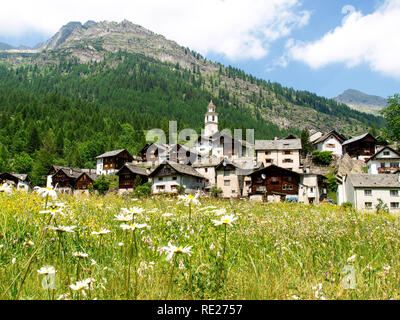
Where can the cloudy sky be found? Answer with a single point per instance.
(323, 46)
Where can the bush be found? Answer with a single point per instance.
(181, 189)
(102, 185)
(323, 158)
(347, 205)
(381, 207)
(215, 192)
(143, 190)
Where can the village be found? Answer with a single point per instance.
(367, 173)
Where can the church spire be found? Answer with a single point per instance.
(211, 120)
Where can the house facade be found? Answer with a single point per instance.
(21, 181)
(110, 162)
(332, 142)
(274, 183)
(364, 191)
(69, 180)
(281, 153)
(168, 176)
(385, 161)
(361, 147)
(312, 188)
(130, 176)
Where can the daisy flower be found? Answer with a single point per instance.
(133, 210)
(133, 226)
(190, 199)
(101, 232)
(228, 219)
(54, 208)
(170, 250)
(47, 270)
(63, 229)
(124, 217)
(46, 192)
(80, 255)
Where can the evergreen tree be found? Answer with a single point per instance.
(33, 140)
(307, 146)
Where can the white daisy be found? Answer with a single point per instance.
(228, 219)
(47, 270)
(170, 250)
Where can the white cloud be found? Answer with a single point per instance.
(372, 39)
(235, 28)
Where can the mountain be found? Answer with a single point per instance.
(267, 102)
(361, 101)
(5, 46)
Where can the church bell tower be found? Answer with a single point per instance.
(211, 120)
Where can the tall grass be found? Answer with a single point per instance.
(273, 251)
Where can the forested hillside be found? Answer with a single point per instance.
(69, 113)
(91, 93)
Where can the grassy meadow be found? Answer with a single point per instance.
(171, 249)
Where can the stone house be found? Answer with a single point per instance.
(332, 142)
(168, 176)
(110, 162)
(386, 160)
(365, 190)
(281, 153)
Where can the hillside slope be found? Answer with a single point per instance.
(286, 108)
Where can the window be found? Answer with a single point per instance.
(287, 152)
(160, 187)
(206, 170)
(368, 205)
(233, 191)
(227, 173)
(383, 165)
(274, 180)
(394, 165)
(160, 179)
(312, 189)
(394, 193)
(268, 160)
(174, 187)
(367, 192)
(386, 153)
(287, 187)
(287, 161)
(267, 153)
(174, 178)
(331, 146)
(394, 205)
(227, 183)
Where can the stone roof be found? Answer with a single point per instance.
(357, 138)
(374, 180)
(185, 169)
(326, 136)
(20, 177)
(292, 144)
(180, 168)
(110, 154)
(135, 169)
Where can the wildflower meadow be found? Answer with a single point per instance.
(118, 248)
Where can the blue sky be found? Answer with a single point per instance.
(306, 44)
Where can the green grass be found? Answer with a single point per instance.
(273, 251)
